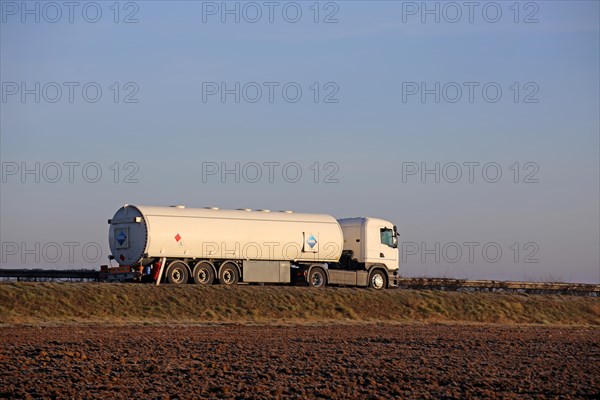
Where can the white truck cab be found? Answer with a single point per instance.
(369, 254)
(371, 240)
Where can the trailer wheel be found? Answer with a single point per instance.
(203, 274)
(177, 273)
(317, 278)
(228, 274)
(377, 280)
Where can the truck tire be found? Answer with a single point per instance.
(177, 273)
(203, 274)
(377, 280)
(317, 278)
(228, 274)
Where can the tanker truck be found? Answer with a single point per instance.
(204, 246)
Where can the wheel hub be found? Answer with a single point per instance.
(317, 279)
(177, 275)
(203, 275)
(377, 281)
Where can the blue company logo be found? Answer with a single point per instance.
(121, 237)
(311, 241)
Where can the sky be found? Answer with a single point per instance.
(474, 127)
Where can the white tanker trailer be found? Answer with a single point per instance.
(208, 245)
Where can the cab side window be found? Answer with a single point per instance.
(387, 237)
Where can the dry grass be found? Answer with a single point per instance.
(24, 303)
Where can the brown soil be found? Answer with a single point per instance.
(299, 361)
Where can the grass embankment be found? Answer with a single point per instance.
(24, 303)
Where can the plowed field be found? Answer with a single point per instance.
(299, 361)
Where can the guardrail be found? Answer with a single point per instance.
(497, 286)
(585, 289)
(50, 274)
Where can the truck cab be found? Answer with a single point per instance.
(370, 254)
(370, 241)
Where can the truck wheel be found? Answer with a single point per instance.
(228, 274)
(377, 280)
(317, 278)
(177, 273)
(203, 274)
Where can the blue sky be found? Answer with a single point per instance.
(367, 56)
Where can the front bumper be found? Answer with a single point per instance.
(393, 278)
